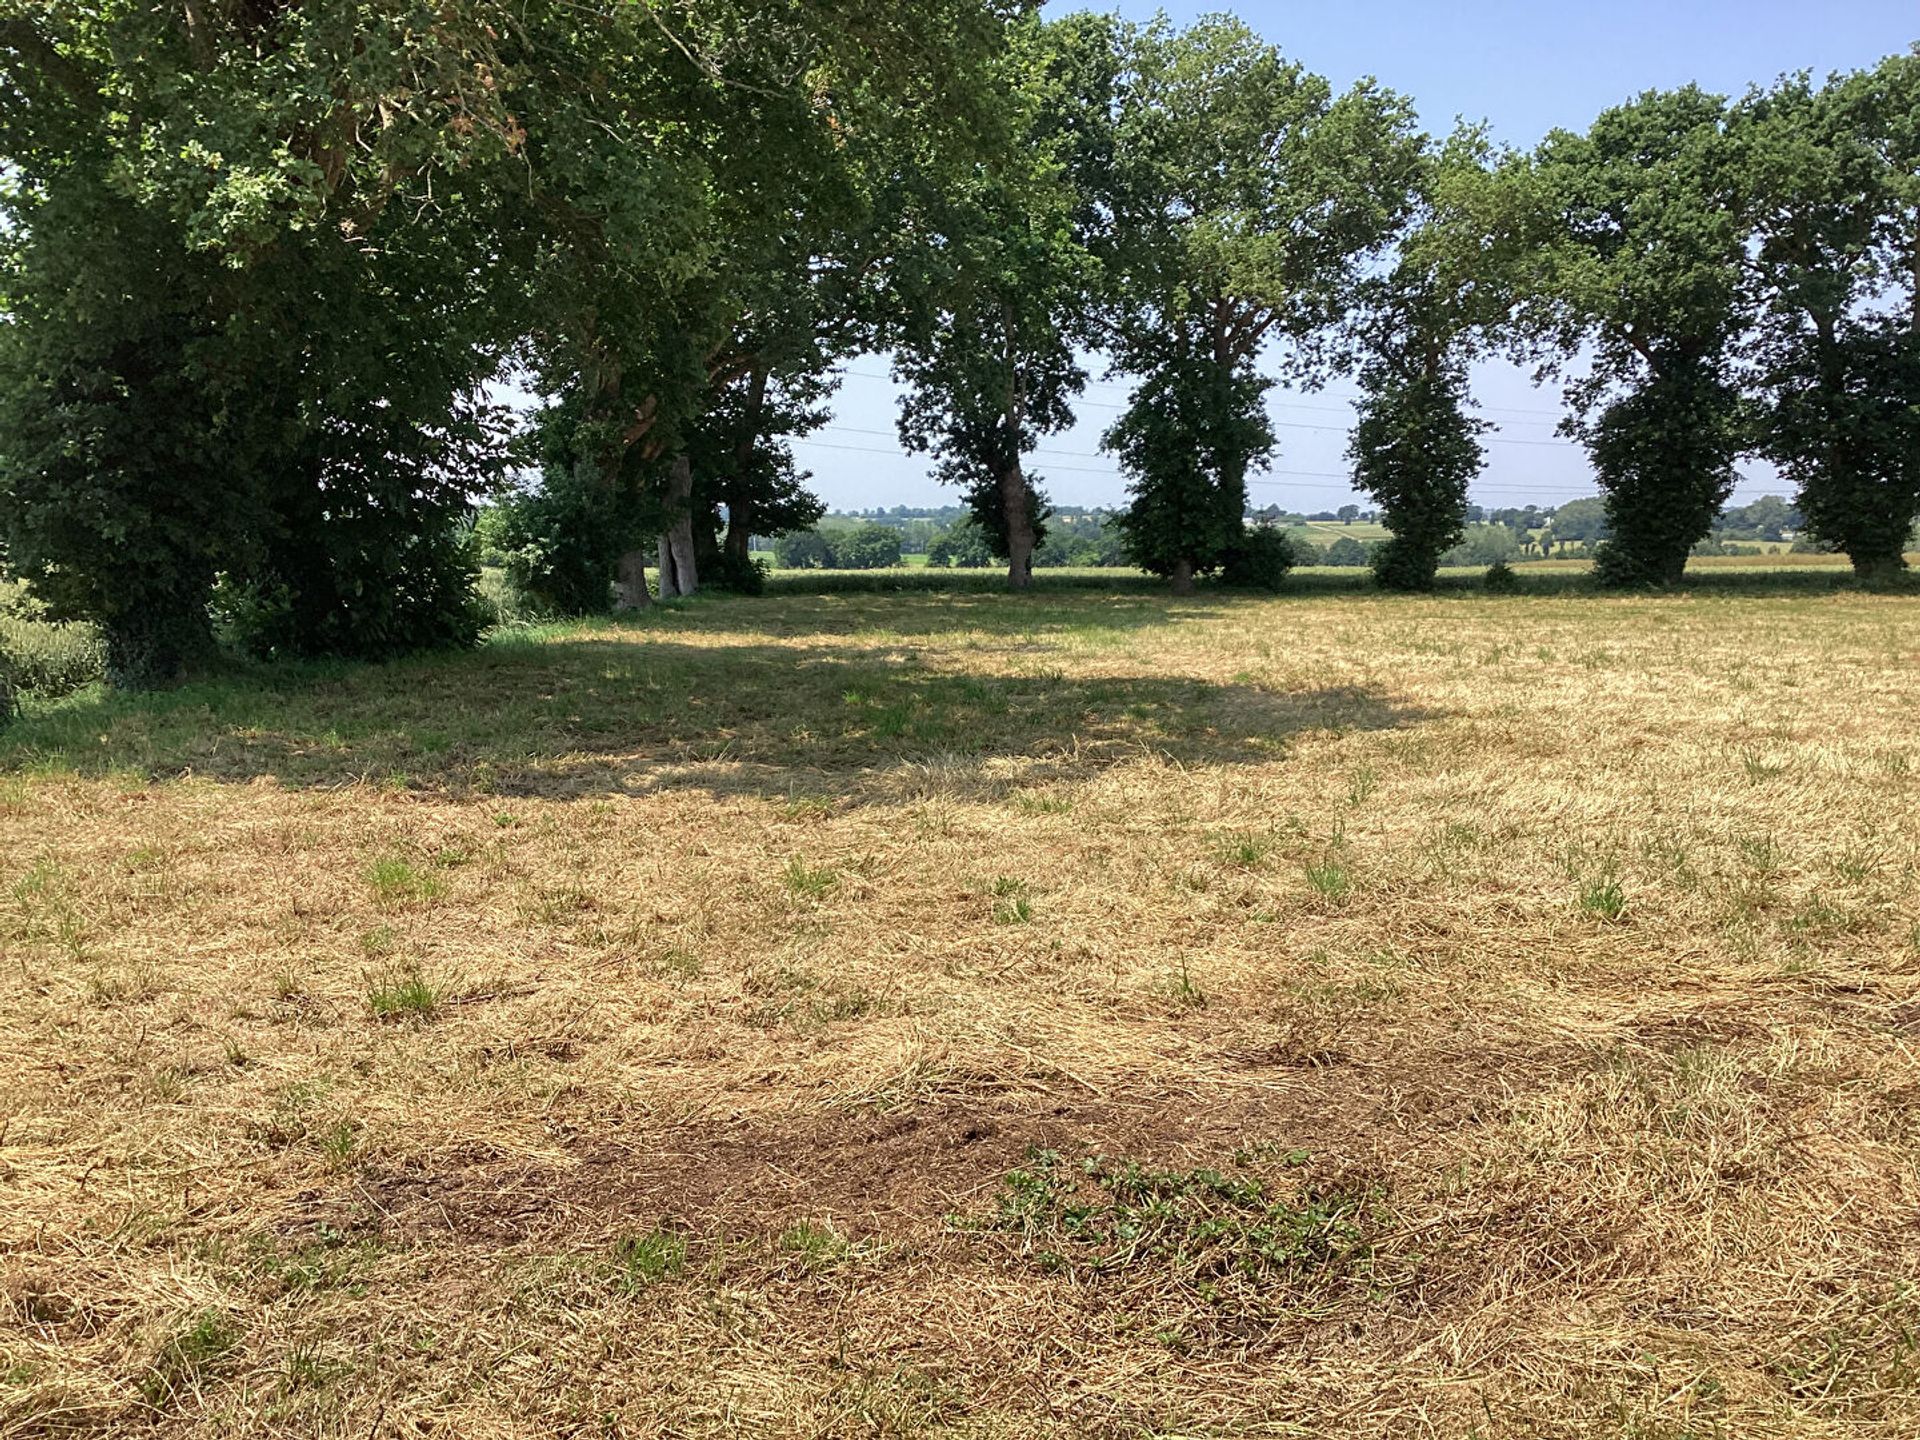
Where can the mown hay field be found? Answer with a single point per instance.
(901, 1015)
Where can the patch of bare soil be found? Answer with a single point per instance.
(903, 1172)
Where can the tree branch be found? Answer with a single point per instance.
(37, 54)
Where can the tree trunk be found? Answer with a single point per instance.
(1182, 577)
(1016, 503)
(739, 536)
(631, 583)
(737, 547)
(1878, 569)
(677, 572)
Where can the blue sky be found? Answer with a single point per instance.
(1524, 68)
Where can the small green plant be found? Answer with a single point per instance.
(1604, 899)
(338, 1142)
(677, 964)
(650, 1256)
(1225, 1239)
(1360, 786)
(1038, 803)
(814, 1244)
(188, 1357)
(809, 883)
(1245, 851)
(402, 995)
(1760, 852)
(307, 1367)
(395, 882)
(1011, 904)
(806, 807)
(1183, 991)
(1330, 881)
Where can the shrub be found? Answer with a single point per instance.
(964, 546)
(871, 547)
(1483, 545)
(44, 657)
(562, 543)
(803, 550)
(1259, 560)
(1501, 579)
(729, 570)
(1347, 552)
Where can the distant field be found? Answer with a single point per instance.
(1083, 1014)
(1323, 533)
(923, 576)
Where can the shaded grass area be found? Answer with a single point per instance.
(1083, 1014)
(588, 710)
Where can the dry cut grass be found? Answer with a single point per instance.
(898, 1016)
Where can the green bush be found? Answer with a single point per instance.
(964, 546)
(725, 570)
(871, 547)
(1501, 578)
(1347, 552)
(44, 657)
(1258, 560)
(562, 543)
(1483, 545)
(803, 550)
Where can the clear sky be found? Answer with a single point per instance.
(1524, 68)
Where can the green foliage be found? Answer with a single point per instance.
(965, 546)
(870, 547)
(562, 542)
(43, 657)
(1414, 450)
(1093, 541)
(1483, 545)
(1664, 454)
(561, 538)
(1604, 899)
(650, 1256)
(188, 1356)
(1834, 175)
(126, 482)
(803, 550)
(1185, 442)
(1448, 298)
(1258, 560)
(989, 355)
(403, 995)
(258, 268)
(1642, 255)
(1768, 518)
(743, 465)
(1223, 1239)
(177, 209)
(1347, 553)
(1582, 521)
(1244, 200)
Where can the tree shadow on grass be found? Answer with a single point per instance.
(597, 716)
(946, 613)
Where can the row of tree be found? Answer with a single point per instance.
(262, 264)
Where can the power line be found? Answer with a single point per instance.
(1285, 425)
(1552, 416)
